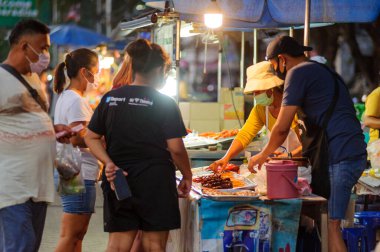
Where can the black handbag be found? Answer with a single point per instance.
(31, 90)
(315, 145)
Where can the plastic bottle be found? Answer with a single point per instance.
(243, 170)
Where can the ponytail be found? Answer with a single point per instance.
(74, 61)
(59, 78)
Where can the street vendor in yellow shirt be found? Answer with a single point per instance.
(268, 90)
(371, 117)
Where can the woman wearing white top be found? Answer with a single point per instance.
(73, 109)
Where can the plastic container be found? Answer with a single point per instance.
(243, 170)
(282, 179)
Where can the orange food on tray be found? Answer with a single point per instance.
(220, 135)
(235, 181)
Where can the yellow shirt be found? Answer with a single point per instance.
(255, 122)
(372, 108)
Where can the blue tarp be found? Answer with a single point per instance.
(76, 36)
(281, 13)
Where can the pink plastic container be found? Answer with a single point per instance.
(282, 179)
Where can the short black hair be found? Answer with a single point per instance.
(27, 27)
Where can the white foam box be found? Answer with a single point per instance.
(184, 107)
(204, 111)
(187, 123)
(205, 125)
(230, 124)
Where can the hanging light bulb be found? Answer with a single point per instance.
(213, 17)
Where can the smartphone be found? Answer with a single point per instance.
(122, 189)
(76, 129)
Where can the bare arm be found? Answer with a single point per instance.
(278, 135)
(371, 122)
(95, 143)
(235, 148)
(181, 160)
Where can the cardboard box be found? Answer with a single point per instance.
(204, 111)
(237, 94)
(229, 112)
(205, 125)
(228, 109)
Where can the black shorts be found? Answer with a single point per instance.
(152, 207)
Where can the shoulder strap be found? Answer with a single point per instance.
(332, 105)
(31, 90)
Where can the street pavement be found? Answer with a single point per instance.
(95, 239)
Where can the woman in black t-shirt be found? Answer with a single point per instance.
(143, 130)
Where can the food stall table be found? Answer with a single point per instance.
(199, 216)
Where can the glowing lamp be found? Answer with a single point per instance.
(213, 17)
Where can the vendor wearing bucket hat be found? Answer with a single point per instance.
(267, 89)
(332, 138)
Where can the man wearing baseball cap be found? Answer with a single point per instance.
(332, 138)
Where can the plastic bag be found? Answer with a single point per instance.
(68, 161)
(68, 164)
(373, 150)
(261, 180)
(305, 172)
(71, 186)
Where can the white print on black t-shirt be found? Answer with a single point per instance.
(113, 100)
(140, 102)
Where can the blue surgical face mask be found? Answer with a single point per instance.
(263, 99)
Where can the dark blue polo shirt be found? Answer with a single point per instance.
(311, 87)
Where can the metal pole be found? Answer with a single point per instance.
(108, 17)
(242, 60)
(55, 12)
(220, 67)
(98, 15)
(177, 56)
(254, 46)
(291, 31)
(307, 25)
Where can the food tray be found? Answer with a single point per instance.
(202, 171)
(199, 142)
(231, 197)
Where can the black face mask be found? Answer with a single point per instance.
(278, 73)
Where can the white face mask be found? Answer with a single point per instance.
(95, 83)
(41, 64)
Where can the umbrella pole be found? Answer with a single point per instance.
(307, 25)
(291, 31)
(220, 51)
(254, 46)
(242, 60)
(177, 57)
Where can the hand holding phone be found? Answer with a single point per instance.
(122, 189)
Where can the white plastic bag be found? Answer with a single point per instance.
(373, 150)
(68, 161)
(68, 164)
(305, 172)
(260, 179)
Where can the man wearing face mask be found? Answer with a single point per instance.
(27, 139)
(268, 90)
(332, 137)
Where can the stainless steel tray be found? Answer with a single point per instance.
(202, 171)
